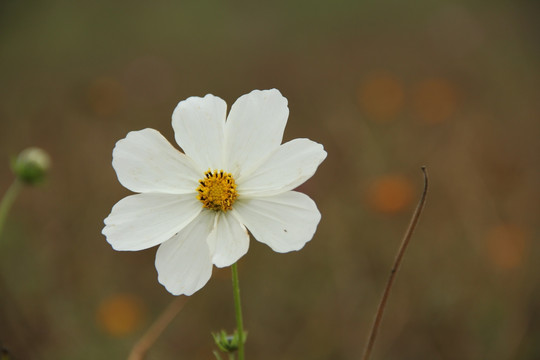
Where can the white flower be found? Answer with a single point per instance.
(235, 174)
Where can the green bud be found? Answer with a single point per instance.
(228, 343)
(31, 166)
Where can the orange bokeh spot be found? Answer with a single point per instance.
(120, 314)
(105, 96)
(506, 246)
(390, 194)
(434, 100)
(381, 96)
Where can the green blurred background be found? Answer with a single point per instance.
(386, 86)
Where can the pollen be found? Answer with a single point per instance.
(217, 190)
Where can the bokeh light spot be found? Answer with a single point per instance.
(105, 96)
(390, 194)
(434, 100)
(506, 246)
(120, 314)
(381, 96)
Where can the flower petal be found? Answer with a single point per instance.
(184, 263)
(146, 162)
(285, 222)
(228, 241)
(293, 163)
(254, 129)
(144, 220)
(198, 125)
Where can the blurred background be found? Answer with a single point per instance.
(386, 86)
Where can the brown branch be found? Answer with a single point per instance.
(141, 347)
(395, 267)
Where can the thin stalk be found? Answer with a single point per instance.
(139, 350)
(7, 202)
(395, 267)
(238, 311)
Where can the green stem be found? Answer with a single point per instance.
(238, 311)
(7, 201)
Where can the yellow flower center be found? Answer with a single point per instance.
(217, 190)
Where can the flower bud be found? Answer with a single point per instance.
(228, 343)
(32, 165)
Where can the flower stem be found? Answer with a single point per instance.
(395, 267)
(238, 311)
(7, 201)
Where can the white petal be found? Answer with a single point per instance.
(293, 163)
(285, 222)
(144, 220)
(228, 241)
(146, 162)
(184, 263)
(254, 129)
(198, 125)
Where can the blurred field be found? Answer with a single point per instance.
(385, 86)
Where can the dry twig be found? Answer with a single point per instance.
(395, 267)
(141, 347)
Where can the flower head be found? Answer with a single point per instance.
(234, 176)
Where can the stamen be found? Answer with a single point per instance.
(217, 190)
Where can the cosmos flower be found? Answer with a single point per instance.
(234, 176)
